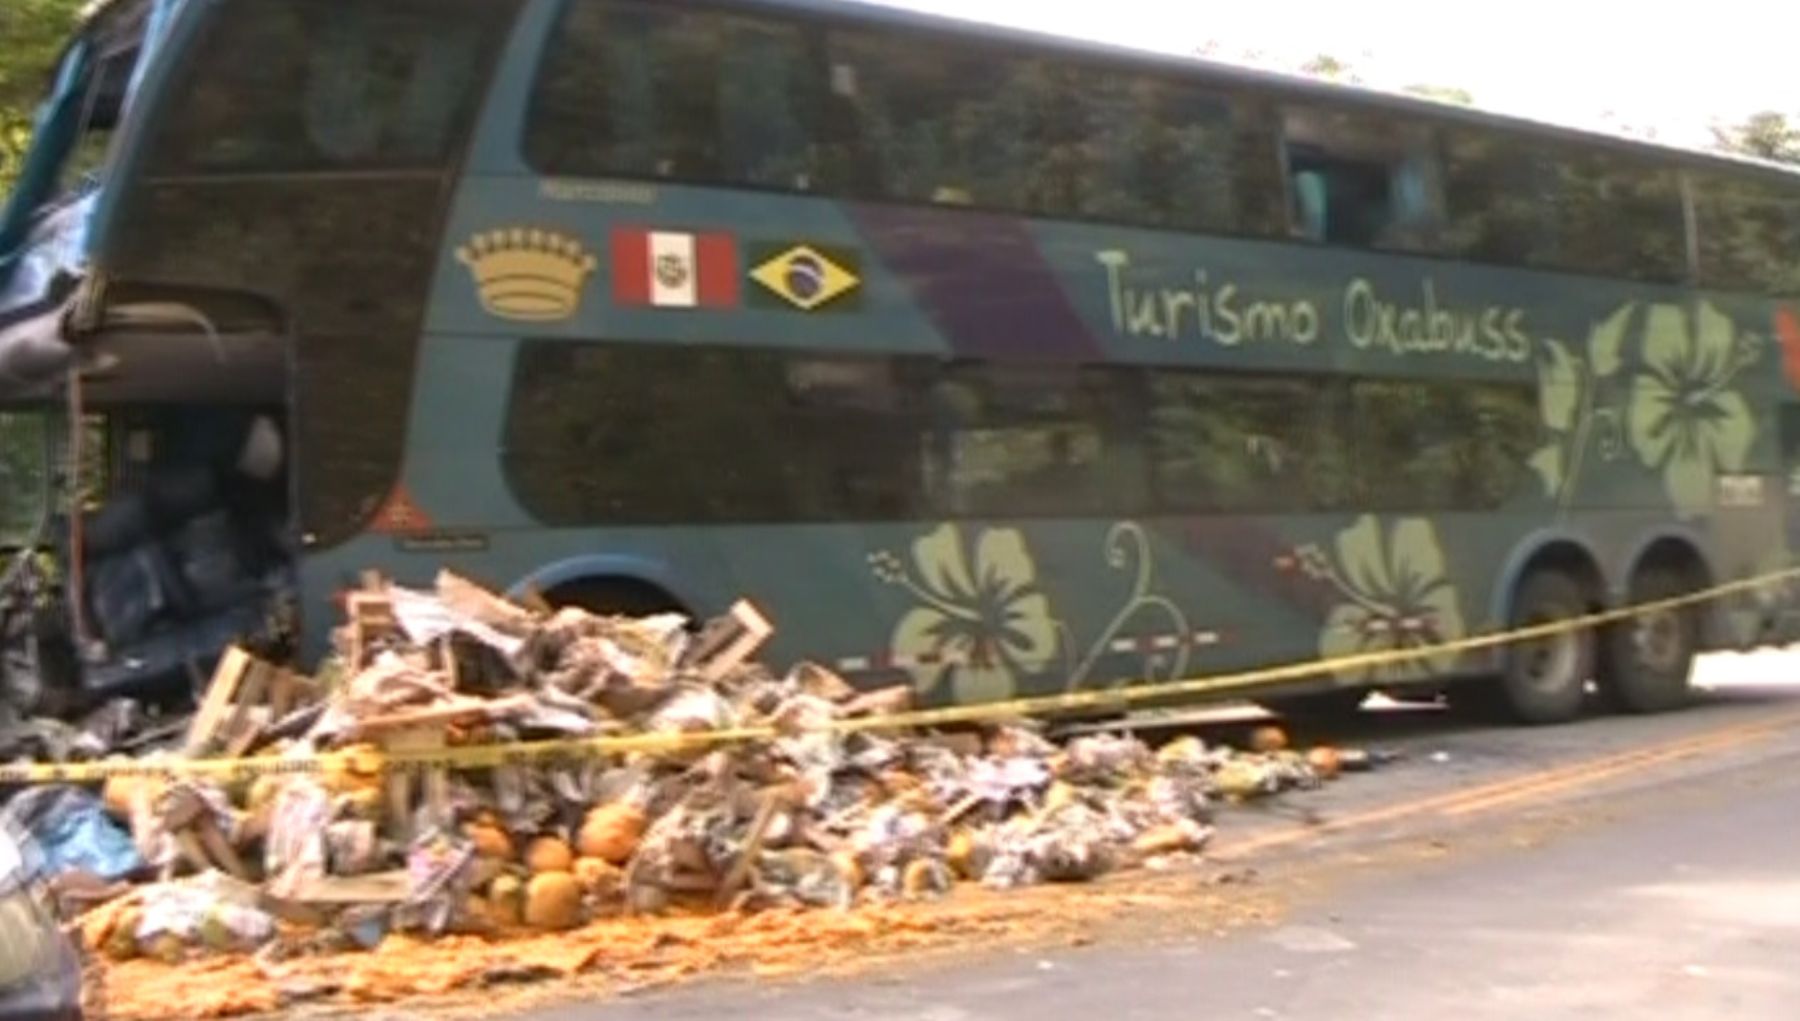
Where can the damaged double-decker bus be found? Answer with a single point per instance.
(999, 364)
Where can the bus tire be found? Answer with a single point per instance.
(1649, 660)
(1545, 681)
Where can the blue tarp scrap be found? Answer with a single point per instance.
(72, 831)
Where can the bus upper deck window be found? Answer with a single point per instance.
(1309, 205)
(311, 85)
(1361, 181)
(367, 93)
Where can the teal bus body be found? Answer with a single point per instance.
(992, 452)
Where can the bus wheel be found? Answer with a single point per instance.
(1544, 681)
(1650, 658)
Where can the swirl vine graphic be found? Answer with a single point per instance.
(1574, 408)
(982, 623)
(1128, 548)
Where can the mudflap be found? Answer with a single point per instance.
(1750, 539)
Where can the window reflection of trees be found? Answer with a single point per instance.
(644, 89)
(1749, 233)
(655, 90)
(618, 433)
(1223, 443)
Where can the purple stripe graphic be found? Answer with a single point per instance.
(1247, 551)
(982, 280)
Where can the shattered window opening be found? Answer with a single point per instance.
(103, 106)
(24, 475)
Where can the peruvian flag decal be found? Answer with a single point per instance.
(669, 269)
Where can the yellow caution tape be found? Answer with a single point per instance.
(492, 756)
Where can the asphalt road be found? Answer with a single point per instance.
(1530, 886)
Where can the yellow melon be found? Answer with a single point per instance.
(553, 901)
(549, 854)
(612, 832)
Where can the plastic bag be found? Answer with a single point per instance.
(74, 832)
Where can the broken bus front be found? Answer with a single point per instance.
(217, 262)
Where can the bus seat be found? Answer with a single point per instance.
(206, 555)
(128, 593)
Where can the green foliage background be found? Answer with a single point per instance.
(34, 32)
(1768, 135)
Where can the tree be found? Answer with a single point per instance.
(1215, 49)
(1443, 94)
(1330, 68)
(35, 32)
(1617, 123)
(1767, 135)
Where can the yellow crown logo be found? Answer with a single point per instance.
(528, 274)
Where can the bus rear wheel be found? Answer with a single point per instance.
(1544, 680)
(1650, 658)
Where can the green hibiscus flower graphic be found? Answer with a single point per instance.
(981, 621)
(1686, 420)
(1396, 595)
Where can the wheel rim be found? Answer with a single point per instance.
(1657, 640)
(1548, 664)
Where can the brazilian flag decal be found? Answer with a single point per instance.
(806, 277)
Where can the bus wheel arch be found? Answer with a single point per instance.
(607, 585)
(613, 595)
(1544, 681)
(1647, 660)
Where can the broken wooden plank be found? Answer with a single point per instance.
(374, 888)
(880, 702)
(461, 710)
(192, 851)
(372, 617)
(246, 730)
(726, 642)
(822, 683)
(218, 699)
(753, 842)
(219, 850)
(399, 782)
(396, 804)
(254, 688)
(470, 599)
(241, 726)
(286, 689)
(533, 600)
(447, 663)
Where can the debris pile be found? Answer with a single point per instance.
(817, 807)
